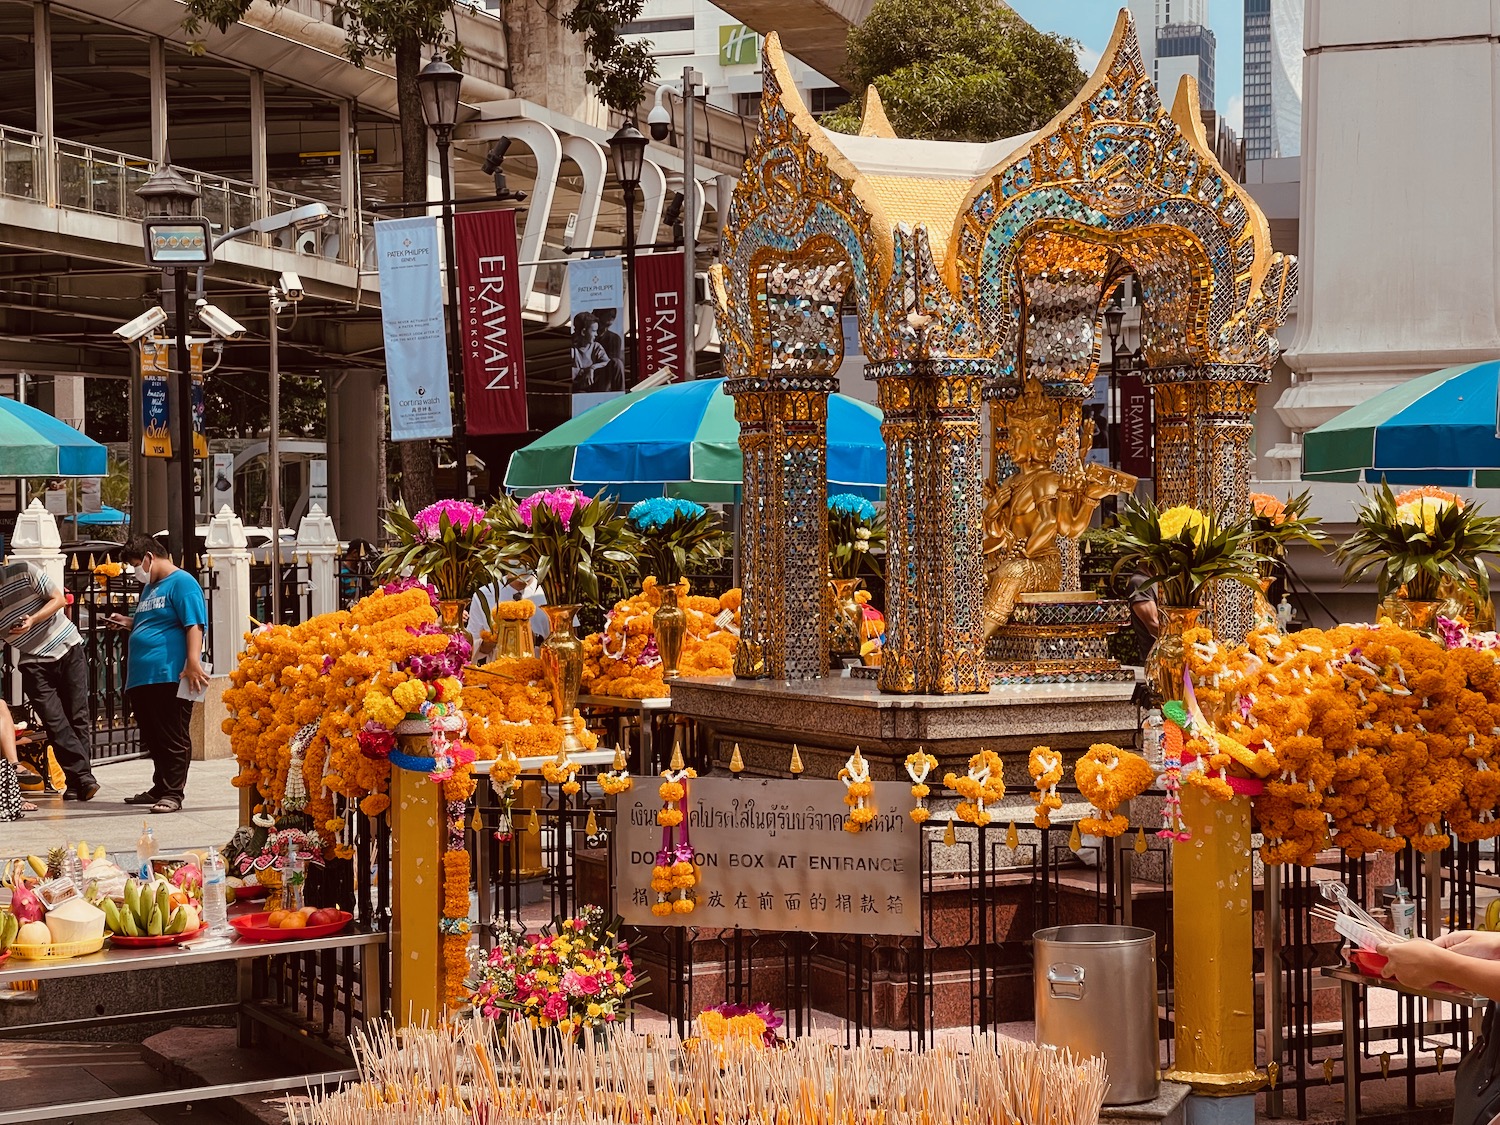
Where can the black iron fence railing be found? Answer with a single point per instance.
(296, 592)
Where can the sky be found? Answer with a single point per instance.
(1091, 21)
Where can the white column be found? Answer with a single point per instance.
(230, 562)
(35, 540)
(318, 543)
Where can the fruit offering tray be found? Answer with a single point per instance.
(258, 927)
(125, 941)
(56, 950)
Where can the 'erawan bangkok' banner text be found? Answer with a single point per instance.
(411, 312)
(659, 313)
(489, 298)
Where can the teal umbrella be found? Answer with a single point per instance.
(1438, 429)
(682, 440)
(35, 444)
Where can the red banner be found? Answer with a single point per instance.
(489, 298)
(660, 323)
(1137, 426)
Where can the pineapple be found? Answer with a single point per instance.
(55, 857)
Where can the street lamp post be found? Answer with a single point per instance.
(1114, 318)
(627, 155)
(439, 86)
(177, 239)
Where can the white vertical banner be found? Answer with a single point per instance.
(222, 493)
(317, 484)
(90, 498)
(411, 313)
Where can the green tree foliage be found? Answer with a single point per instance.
(618, 70)
(957, 70)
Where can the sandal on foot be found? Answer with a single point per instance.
(166, 805)
(146, 798)
(27, 806)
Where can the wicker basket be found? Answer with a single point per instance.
(56, 950)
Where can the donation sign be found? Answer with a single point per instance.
(411, 314)
(773, 855)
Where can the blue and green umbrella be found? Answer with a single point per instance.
(682, 440)
(1438, 429)
(35, 444)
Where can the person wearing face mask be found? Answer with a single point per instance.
(166, 647)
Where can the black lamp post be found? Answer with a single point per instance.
(1114, 318)
(438, 83)
(627, 155)
(177, 240)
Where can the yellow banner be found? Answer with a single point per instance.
(156, 370)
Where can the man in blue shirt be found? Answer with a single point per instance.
(166, 649)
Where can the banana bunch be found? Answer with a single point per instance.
(1491, 916)
(146, 912)
(14, 871)
(85, 856)
(10, 926)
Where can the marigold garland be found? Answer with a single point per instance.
(623, 662)
(1107, 777)
(982, 786)
(858, 792)
(1046, 769)
(675, 873)
(918, 766)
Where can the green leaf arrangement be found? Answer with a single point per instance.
(1417, 540)
(677, 538)
(1181, 550)
(570, 542)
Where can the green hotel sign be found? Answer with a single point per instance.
(738, 45)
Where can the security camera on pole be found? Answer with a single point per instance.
(659, 121)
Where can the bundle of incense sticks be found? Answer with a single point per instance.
(481, 1073)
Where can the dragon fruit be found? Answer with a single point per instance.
(24, 904)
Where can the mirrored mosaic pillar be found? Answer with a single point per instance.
(1175, 444)
(1226, 430)
(934, 525)
(784, 440)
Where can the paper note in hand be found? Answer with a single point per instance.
(188, 692)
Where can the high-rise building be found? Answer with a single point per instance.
(1175, 40)
(1185, 48)
(1273, 78)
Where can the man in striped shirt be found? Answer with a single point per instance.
(54, 669)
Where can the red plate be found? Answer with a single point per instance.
(252, 893)
(1368, 961)
(252, 927)
(125, 941)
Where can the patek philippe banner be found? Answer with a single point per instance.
(489, 298)
(660, 316)
(1137, 426)
(596, 298)
(411, 312)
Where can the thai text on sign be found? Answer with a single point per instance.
(773, 855)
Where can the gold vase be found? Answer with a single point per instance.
(669, 624)
(1165, 662)
(843, 619)
(562, 665)
(451, 614)
(513, 638)
(1262, 611)
(1415, 616)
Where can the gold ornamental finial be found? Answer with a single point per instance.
(859, 761)
(1012, 837)
(476, 823)
(950, 837)
(619, 765)
(795, 765)
(591, 826)
(677, 763)
(1140, 842)
(1075, 840)
(736, 762)
(536, 825)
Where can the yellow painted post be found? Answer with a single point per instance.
(1213, 940)
(417, 825)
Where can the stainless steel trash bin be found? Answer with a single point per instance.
(1096, 995)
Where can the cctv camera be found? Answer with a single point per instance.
(660, 123)
(291, 287)
(148, 321)
(496, 155)
(220, 322)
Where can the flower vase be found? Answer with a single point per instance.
(1416, 616)
(513, 638)
(1262, 611)
(669, 625)
(562, 667)
(293, 880)
(1167, 658)
(843, 620)
(451, 614)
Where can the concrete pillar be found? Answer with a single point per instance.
(355, 425)
(35, 540)
(319, 545)
(230, 605)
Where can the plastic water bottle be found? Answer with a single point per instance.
(145, 848)
(215, 910)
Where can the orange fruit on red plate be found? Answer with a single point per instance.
(294, 922)
(276, 918)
